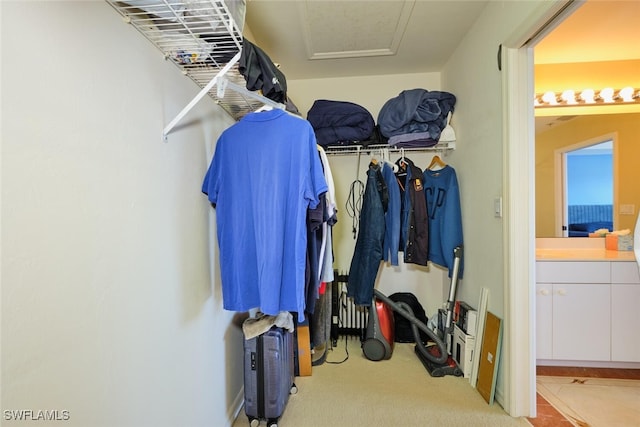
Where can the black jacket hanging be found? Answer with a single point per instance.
(414, 218)
(261, 73)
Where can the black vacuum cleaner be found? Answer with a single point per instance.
(434, 356)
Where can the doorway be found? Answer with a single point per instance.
(561, 217)
(519, 249)
(585, 179)
(519, 160)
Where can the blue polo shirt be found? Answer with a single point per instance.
(265, 173)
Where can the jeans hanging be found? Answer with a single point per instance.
(368, 251)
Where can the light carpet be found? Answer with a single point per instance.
(394, 392)
(593, 402)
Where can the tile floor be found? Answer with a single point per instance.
(587, 397)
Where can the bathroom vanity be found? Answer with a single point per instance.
(587, 304)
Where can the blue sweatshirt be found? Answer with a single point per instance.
(445, 216)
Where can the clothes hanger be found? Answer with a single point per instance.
(436, 161)
(384, 155)
(265, 107)
(374, 159)
(402, 162)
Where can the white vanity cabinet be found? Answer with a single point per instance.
(625, 312)
(587, 311)
(573, 310)
(544, 321)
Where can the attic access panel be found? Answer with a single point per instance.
(347, 30)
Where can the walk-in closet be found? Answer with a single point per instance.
(113, 310)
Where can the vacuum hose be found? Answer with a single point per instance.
(405, 311)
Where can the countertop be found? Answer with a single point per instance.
(567, 254)
(578, 249)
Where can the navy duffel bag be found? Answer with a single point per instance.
(340, 122)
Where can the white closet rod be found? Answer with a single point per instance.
(338, 150)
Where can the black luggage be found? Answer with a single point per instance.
(268, 375)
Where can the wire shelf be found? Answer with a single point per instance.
(337, 150)
(200, 37)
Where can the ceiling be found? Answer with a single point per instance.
(600, 30)
(322, 39)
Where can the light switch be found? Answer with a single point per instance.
(627, 209)
(497, 207)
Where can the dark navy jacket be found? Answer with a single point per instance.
(340, 122)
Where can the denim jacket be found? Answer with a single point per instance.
(391, 217)
(368, 251)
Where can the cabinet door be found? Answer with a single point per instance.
(544, 320)
(581, 321)
(625, 318)
(573, 272)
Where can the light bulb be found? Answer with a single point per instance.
(588, 96)
(569, 96)
(626, 94)
(607, 94)
(550, 98)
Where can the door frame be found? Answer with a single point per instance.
(519, 189)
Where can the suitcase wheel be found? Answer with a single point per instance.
(272, 422)
(294, 389)
(254, 422)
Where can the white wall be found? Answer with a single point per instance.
(485, 143)
(472, 73)
(111, 299)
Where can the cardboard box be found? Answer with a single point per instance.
(466, 317)
(462, 350)
(614, 242)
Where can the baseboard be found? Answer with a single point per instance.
(236, 407)
(588, 364)
(499, 397)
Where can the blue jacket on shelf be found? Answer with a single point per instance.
(416, 111)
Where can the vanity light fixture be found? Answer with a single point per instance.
(587, 97)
